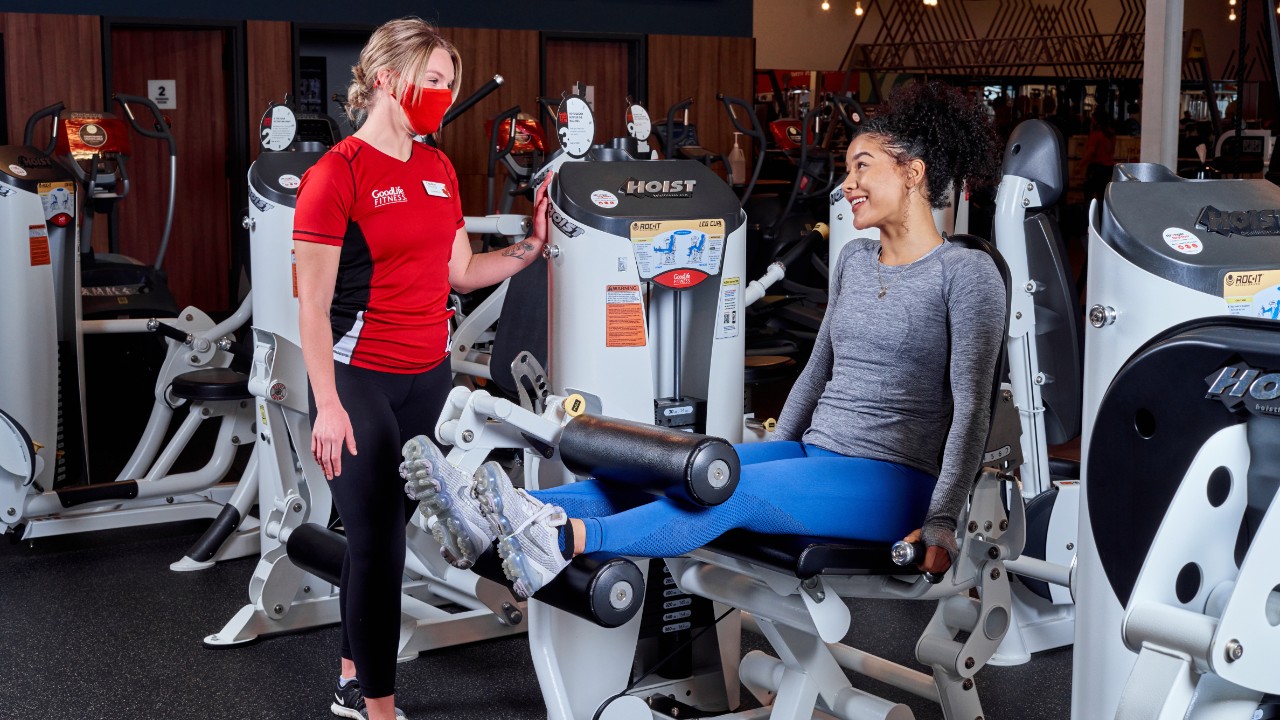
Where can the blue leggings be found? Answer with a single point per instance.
(786, 488)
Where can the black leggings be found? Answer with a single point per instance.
(386, 410)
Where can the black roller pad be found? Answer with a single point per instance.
(602, 588)
(696, 469)
(317, 550)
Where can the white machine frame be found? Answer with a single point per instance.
(30, 507)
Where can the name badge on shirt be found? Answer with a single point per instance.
(435, 189)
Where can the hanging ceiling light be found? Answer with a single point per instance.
(1232, 16)
(857, 9)
(826, 5)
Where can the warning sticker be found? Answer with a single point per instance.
(623, 316)
(39, 245)
(293, 264)
(730, 308)
(667, 245)
(1252, 293)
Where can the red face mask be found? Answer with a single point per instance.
(425, 107)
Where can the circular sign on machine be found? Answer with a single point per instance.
(93, 135)
(638, 123)
(17, 170)
(290, 182)
(576, 126)
(1184, 241)
(604, 199)
(278, 128)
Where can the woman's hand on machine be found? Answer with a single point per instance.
(332, 430)
(936, 559)
(541, 209)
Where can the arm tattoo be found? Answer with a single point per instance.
(519, 250)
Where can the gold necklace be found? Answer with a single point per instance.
(884, 289)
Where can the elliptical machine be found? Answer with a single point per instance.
(95, 147)
(42, 401)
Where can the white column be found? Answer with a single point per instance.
(1162, 82)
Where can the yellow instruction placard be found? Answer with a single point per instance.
(1252, 293)
(664, 245)
(623, 316)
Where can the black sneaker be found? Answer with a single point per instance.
(348, 702)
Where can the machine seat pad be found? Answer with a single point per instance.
(212, 384)
(807, 556)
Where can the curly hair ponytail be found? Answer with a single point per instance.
(950, 133)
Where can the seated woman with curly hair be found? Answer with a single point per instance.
(882, 434)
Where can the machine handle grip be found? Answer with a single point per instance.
(161, 131)
(28, 133)
(672, 141)
(905, 553)
(819, 232)
(236, 348)
(754, 132)
(170, 331)
(495, 153)
(1263, 435)
(481, 93)
(841, 102)
(549, 106)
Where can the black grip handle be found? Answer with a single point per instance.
(170, 331)
(802, 247)
(29, 131)
(1263, 435)
(496, 153)
(755, 132)
(842, 104)
(905, 553)
(239, 349)
(481, 93)
(672, 141)
(162, 127)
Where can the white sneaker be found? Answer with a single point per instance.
(444, 497)
(528, 530)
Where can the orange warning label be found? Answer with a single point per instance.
(623, 316)
(39, 245)
(293, 263)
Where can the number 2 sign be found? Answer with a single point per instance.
(164, 93)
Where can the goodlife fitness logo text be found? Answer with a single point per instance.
(389, 196)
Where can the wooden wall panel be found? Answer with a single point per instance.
(705, 66)
(198, 259)
(50, 58)
(513, 54)
(269, 50)
(601, 64)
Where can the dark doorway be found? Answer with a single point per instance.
(204, 63)
(324, 56)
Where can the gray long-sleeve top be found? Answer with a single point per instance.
(906, 378)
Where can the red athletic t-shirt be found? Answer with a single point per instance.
(395, 222)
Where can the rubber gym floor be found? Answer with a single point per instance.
(96, 627)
